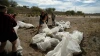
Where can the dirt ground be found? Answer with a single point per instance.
(90, 26)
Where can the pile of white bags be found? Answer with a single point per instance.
(44, 42)
(66, 43)
(67, 46)
(63, 24)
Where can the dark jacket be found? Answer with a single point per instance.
(6, 24)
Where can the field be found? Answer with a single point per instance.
(89, 25)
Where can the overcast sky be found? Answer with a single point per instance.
(87, 6)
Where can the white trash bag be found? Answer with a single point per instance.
(60, 49)
(44, 45)
(38, 38)
(45, 29)
(26, 25)
(67, 24)
(67, 46)
(77, 35)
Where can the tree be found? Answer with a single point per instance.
(80, 13)
(4, 2)
(67, 13)
(49, 10)
(26, 6)
(35, 10)
(72, 12)
(12, 3)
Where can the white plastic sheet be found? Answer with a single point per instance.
(77, 35)
(45, 29)
(68, 45)
(22, 24)
(44, 45)
(55, 30)
(38, 38)
(48, 43)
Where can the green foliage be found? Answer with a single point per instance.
(80, 13)
(4, 2)
(72, 12)
(12, 3)
(10, 10)
(25, 6)
(35, 10)
(50, 10)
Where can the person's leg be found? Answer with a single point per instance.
(14, 46)
(14, 49)
(53, 22)
(13, 40)
(38, 29)
(2, 51)
(2, 46)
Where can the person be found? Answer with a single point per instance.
(14, 15)
(53, 18)
(7, 32)
(43, 19)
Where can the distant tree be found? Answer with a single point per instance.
(80, 13)
(72, 12)
(13, 3)
(49, 10)
(4, 2)
(67, 13)
(26, 6)
(35, 10)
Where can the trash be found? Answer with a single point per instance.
(77, 35)
(38, 38)
(22, 24)
(68, 45)
(44, 45)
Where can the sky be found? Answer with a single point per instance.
(86, 6)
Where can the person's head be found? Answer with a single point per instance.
(42, 12)
(3, 9)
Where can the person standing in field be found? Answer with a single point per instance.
(53, 18)
(7, 32)
(43, 19)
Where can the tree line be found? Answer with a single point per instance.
(34, 10)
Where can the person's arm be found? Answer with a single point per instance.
(13, 21)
